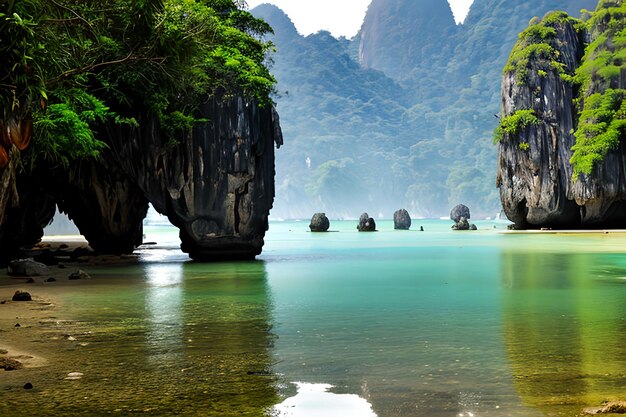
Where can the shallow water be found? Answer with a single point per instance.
(433, 323)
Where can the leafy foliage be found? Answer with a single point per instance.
(76, 65)
(515, 123)
(535, 44)
(602, 126)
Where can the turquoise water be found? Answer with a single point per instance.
(433, 323)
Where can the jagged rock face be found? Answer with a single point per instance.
(217, 185)
(29, 209)
(535, 183)
(104, 202)
(390, 25)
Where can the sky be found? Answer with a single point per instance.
(311, 16)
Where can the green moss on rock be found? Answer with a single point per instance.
(513, 124)
(601, 128)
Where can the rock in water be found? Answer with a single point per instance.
(78, 274)
(458, 212)
(319, 223)
(366, 223)
(462, 224)
(21, 296)
(9, 364)
(401, 220)
(26, 268)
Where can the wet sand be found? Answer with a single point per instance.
(29, 329)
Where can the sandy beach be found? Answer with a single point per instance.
(29, 329)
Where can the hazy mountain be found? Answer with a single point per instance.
(398, 36)
(402, 115)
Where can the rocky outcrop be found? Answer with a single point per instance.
(539, 116)
(25, 213)
(366, 223)
(401, 220)
(217, 183)
(21, 296)
(26, 268)
(104, 202)
(459, 211)
(319, 223)
(460, 215)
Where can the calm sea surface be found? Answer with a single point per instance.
(399, 323)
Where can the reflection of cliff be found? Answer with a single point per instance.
(172, 339)
(206, 349)
(562, 330)
(226, 340)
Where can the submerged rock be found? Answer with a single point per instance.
(79, 274)
(26, 268)
(401, 220)
(9, 364)
(22, 296)
(319, 223)
(613, 407)
(366, 223)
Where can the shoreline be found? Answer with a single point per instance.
(22, 326)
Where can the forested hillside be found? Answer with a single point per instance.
(402, 115)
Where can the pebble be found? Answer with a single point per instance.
(73, 376)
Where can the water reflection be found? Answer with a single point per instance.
(164, 300)
(315, 400)
(564, 318)
(170, 339)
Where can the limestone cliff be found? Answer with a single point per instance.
(217, 184)
(399, 35)
(544, 180)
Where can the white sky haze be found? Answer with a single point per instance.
(339, 17)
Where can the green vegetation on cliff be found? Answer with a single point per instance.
(535, 44)
(599, 78)
(601, 128)
(515, 123)
(70, 65)
(602, 121)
